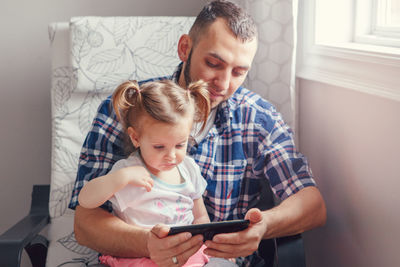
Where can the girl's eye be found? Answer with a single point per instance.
(158, 147)
(180, 145)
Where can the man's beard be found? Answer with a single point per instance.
(186, 71)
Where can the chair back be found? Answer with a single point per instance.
(90, 56)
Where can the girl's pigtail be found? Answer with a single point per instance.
(126, 96)
(201, 96)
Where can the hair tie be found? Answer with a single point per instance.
(133, 90)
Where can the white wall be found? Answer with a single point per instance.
(25, 86)
(352, 141)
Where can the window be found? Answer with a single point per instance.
(351, 43)
(378, 22)
(387, 14)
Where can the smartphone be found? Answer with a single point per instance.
(208, 230)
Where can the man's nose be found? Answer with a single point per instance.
(222, 80)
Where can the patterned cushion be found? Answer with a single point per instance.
(90, 57)
(108, 50)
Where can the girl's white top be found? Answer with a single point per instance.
(170, 204)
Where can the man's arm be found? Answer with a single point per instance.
(100, 230)
(300, 212)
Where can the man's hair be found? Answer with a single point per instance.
(240, 23)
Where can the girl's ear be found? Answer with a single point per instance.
(184, 47)
(133, 135)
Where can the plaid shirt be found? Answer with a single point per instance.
(248, 142)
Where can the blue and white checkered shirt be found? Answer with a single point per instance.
(248, 142)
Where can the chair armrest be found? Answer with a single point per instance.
(24, 232)
(284, 251)
(291, 251)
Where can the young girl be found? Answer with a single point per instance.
(157, 183)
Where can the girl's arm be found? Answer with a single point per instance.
(99, 190)
(199, 212)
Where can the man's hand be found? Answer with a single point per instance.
(239, 244)
(300, 212)
(162, 248)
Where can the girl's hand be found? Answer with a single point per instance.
(137, 176)
(99, 190)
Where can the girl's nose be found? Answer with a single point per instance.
(171, 154)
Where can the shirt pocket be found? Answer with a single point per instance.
(224, 184)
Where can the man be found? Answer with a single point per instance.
(245, 141)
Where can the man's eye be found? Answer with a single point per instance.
(210, 64)
(239, 73)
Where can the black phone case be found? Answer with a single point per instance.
(208, 230)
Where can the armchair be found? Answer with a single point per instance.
(90, 56)
(25, 233)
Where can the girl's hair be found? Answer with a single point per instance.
(237, 19)
(164, 101)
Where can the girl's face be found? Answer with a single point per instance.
(162, 145)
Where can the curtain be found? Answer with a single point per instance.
(273, 70)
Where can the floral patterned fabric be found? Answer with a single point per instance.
(90, 57)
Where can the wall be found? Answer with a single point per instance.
(25, 86)
(352, 141)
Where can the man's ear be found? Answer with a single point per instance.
(134, 136)
(184, 46)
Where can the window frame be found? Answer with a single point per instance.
(370, 29)
(345, 62)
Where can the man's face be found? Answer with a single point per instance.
(221, 60)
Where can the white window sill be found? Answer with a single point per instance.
(365, 68)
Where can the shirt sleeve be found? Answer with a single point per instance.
(127, 194)
(197, 179)
(102, 147)
(286, 169)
